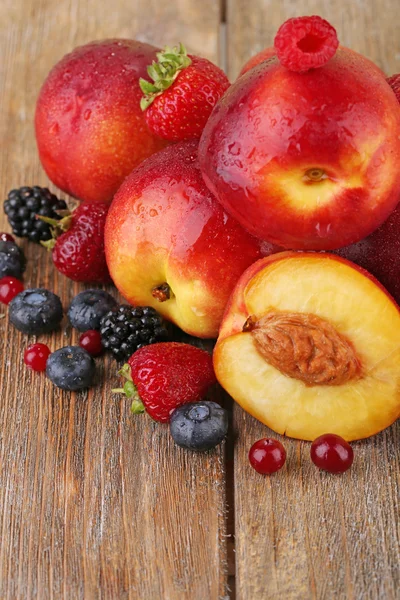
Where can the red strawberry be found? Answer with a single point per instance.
(394, 82)
(166, 375)
(78, 253)
(184, 91)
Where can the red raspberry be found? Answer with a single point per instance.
(394, 82)
(305, 43)
(182, 95)
(79, 252)
(166, 375)
(9, 288)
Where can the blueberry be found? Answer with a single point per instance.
(35, 311)
(12, 260)
(199, 425)
(70, 368)
(89, 307)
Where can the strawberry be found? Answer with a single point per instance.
(78, 243)
(163, 376)
(394, 82)
(183, 93)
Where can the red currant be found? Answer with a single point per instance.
(332, 453)
(267, 456)
(91, 342)
(6, 237)
(35, 357)
(9, 288)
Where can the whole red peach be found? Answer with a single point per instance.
(257, 59)
(90, 130)
(169, 243)
(306, 160)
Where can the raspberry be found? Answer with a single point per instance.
(394, 82)
(305, 43)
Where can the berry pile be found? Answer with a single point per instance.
(22, 207)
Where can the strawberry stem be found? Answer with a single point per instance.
(171, 61)
(57, 227)
(129, 390)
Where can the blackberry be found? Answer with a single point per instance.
(22, 206)
(129, 328)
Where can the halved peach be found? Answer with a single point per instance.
(310, 344)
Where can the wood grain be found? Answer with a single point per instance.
(367, 26)
(304, 534)
(94, 503)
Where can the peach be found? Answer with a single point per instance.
(257, 59)
(90, 130)
(309, 344)
(306, 160)
(170, 245)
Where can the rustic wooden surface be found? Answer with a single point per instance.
(93, 503)
(97, 504)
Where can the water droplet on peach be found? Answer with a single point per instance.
(234, 149)
(87, 114)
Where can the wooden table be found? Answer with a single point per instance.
(97, 504)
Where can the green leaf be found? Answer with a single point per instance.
(125, 372)
(147, 87)
(129, 389)
(145, 101)
(137, 407)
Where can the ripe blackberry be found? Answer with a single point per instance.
(131, 327)
(22, 206)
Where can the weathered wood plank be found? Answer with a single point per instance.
(303, 534)
(93, 502)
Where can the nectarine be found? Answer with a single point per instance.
(306, 160)
(310, 344)
(90, 130)
(169, 243)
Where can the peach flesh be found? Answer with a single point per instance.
(351, 301)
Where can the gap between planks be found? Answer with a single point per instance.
(229, 448)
